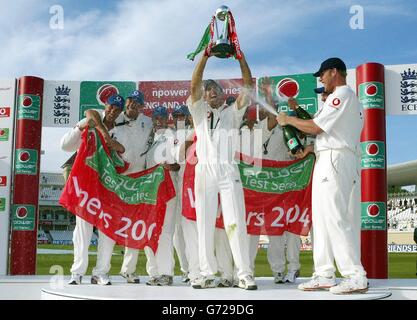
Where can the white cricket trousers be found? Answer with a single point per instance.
(180, 234)
(336, 213)
(81, 238)
(162, 262)
(131, 255)
(210, 180)
(281, 249)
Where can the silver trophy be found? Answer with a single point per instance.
(222, 47)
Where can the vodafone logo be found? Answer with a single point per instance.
(21, 212)
(4, 112)
(287, 88)
(24, 156)
(27, 102)
(371, 90)
(372, 149)
(336, 102)
(3, 181)
(373, 210)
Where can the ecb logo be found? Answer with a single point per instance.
(373, 155)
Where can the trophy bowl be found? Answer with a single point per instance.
(221, 12)
(222, 49)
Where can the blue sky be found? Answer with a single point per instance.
(148, 40)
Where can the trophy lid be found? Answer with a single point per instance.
(221, 12)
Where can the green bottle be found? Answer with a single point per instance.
(291, 139)
(302, 114)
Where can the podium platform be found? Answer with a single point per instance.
(56, 288)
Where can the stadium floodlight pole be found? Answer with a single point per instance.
(24, 211)
(370, 87)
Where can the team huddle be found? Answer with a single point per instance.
(213, 257)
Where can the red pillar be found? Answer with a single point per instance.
(24, 213)
(370, 87)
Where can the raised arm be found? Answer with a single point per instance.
(197, 79)
(244, 98)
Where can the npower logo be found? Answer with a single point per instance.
(372, 149)
(287, 88)
(27, 102)
(105, 92)
(21, 212)
(24, 156)
(371, 90)
(373, 210)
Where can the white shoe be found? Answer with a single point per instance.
(318, 283)
(247, 283)
(130, 277)
(75, 279)
(291, 276)
(351, 285)
(224, 283)
(165, 280)
(101, 279)
(278, 277)
(203, 282)
(153, 281)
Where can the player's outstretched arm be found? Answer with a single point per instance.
(244, 98)
(197, 79)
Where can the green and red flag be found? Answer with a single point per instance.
(129, 209)
(277, 194)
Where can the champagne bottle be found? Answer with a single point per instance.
(302, 114)
(291, 139)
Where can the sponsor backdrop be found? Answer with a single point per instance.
(7, 96)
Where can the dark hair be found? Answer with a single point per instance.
(207, 84)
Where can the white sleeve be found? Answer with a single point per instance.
(71, 141)
(198, 110)
(238, 114)
(332, 110)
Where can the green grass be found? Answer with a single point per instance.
(401, 265)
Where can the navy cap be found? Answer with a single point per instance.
(137, 96)
(330, 64)
(319, 90)
(116, 100)
(182, 109)
(160, 111)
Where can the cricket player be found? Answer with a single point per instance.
(336, 213)
(160, 264)
(217, 173)
(133, 130)
(83, 231)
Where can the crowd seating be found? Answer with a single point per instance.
(65, 237)
(402, 212)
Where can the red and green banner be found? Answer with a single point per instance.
(277, 195)
(130, 209)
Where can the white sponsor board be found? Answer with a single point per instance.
(61, 103)
(401, 89)
(7, 114)
(405, 248)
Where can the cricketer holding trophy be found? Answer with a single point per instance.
(214, 175)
